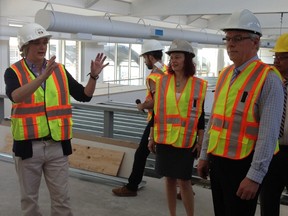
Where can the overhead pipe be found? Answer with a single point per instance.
(101, 26)
(8, 31)
(57, 21)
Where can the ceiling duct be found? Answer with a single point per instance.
(8, 31)
(101, 26)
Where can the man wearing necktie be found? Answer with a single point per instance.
(244, 124)
(277, 176)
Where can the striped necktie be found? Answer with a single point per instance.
(234, 75)
(284, 110)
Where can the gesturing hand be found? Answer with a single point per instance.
(50, 66)
(98, 64)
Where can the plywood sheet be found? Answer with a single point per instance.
(96, 159)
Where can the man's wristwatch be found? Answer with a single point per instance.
(150, 138)
(95, 78)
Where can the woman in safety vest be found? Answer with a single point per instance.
(178, 120)
(41, 118)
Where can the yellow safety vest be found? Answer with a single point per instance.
(45, 111)
(234, 118)
(176, 121)
(155, 74)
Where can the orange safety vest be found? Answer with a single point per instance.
(176, 121)
(155, 74)
(235, 119)
(45, 111)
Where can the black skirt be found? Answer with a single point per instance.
(174, 162)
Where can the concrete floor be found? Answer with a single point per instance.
(92, 197)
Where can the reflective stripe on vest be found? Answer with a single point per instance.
(175, 122)
(155, 74)
(42, 113)
(235, 119)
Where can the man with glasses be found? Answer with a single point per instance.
(277, 176)
(244, 123)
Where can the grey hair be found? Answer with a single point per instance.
(255, 37)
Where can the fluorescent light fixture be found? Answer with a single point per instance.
(16, 22)
(15, 25)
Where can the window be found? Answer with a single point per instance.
(124, 64)
(14, 50)
(68, 53)
(71, 60)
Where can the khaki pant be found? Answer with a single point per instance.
(48, 159)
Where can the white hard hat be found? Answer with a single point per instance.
(243, 20)
(180, 46)
(29, 32)
(150, 46)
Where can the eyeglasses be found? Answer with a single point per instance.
(235, 39)
(280, 58)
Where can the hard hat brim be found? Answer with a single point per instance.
(150, 52)
(240, 29)
(279, 50)
(180, 51)
(49, 36)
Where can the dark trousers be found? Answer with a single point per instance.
(140, 158)
(226, 176)
(274, 183)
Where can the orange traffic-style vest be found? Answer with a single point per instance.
(175, 121)
(157, 72)
(45, 112)
(235, 117)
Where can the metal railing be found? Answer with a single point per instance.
(111, 119)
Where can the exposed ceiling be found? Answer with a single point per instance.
(206, 16)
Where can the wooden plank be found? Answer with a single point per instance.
(96, 159)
